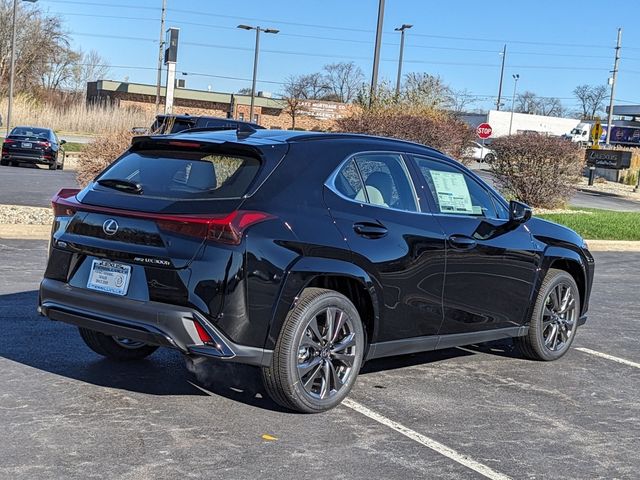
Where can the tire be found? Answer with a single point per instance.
(551, 315)
(61, 165)
(54, 165)
(4, 163)
(489, 158)
(307, 367)
(109, 347)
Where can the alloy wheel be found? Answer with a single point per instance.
(326, 353)
(559, 317)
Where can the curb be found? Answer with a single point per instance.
(43, 232)
(24, 232)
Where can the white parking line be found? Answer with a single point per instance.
(426, 441)
(609, 357)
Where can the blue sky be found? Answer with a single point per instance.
(552, 45)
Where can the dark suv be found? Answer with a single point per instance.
(35, 145)
(306, 254)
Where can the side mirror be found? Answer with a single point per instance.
(62, 142)
(519, 212)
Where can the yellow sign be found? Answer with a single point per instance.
(596, 133)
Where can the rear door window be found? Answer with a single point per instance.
(183, 175)
(380, 179)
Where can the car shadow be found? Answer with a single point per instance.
(57, 348)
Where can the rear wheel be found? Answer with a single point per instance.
(555, 318)
(116, 348)
(61, 164)
(54, 165)
(4, 162)
(318, 354)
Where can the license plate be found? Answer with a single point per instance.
(109, 277)
(27, 145)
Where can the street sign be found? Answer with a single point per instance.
(596, 132)
(484, 130)
(614, 159)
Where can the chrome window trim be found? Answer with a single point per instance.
(330, 182)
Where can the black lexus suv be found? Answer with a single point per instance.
(306, 254)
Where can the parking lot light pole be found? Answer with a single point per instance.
(258, 29)
(516, 77)
(401, 29)
(13, 62)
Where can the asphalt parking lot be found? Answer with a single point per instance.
(473, 412)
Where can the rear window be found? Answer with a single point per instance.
(30, 132)
(183, 175)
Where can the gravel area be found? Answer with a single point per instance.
(605, 186)
(17, 214)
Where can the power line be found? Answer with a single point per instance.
(334, 27)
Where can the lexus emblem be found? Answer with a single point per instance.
(110, 227)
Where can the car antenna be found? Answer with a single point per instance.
(244, 130)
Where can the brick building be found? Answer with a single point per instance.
(269, 112)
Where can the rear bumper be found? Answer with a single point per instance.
(38, 159)
(155, 323)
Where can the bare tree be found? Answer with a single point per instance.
(426, 90)
(293, 97)
(527, 102)
(40, 37)
(343, 81)
(60, 69)
(460, 100)
(591, 99)
(91, 67)
(551, 106)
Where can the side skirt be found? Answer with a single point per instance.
(437, 342)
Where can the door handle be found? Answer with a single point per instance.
(370, 230)
(462, 242)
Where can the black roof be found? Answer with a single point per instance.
(266, 137)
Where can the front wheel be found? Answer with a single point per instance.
(489, 158)
(555, 318)
(318, 353)
(116, 348)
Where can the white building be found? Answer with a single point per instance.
(522, 122)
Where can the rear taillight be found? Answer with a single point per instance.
(8, 141)
(221, 228)
(61, 207)
(44, 144)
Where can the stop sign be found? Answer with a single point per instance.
(484, 130)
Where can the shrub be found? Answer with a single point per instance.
(541, 171)
(434, 128)
(96, 155)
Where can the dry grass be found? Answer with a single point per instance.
(77, 118)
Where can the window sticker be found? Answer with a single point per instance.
(453, 193)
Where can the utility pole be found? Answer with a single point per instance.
(401, 29)
(12, 72)
(160, 52)
(504, 56)
(613, 84)
(376, 53)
